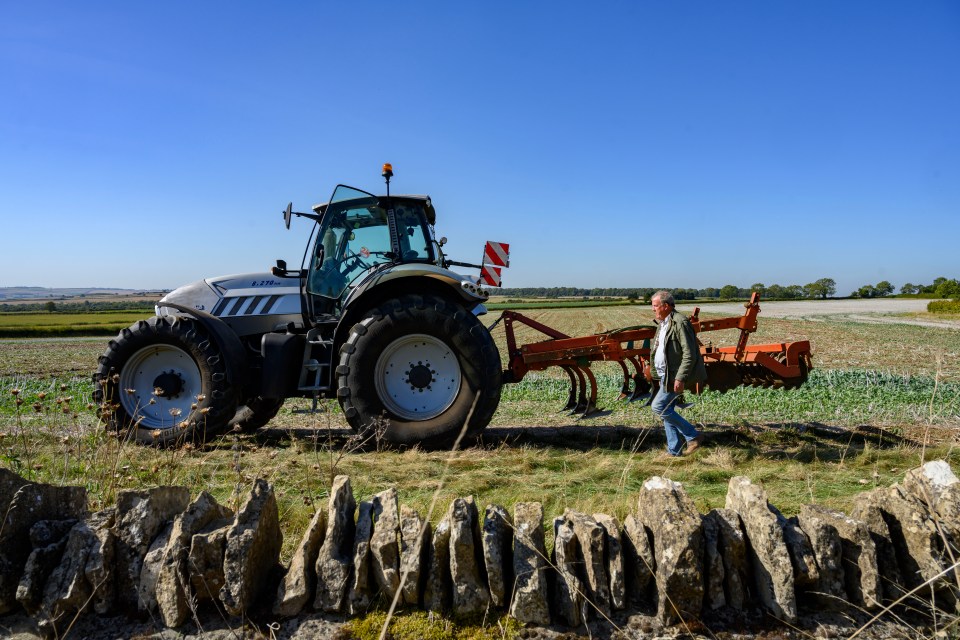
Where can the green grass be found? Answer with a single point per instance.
(47, 325)
(882, 399)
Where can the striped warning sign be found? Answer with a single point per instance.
(490, 276)
(497, 254)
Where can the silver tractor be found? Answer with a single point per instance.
(374, 317)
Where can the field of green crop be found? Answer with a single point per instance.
(49, 325)
(881, 399)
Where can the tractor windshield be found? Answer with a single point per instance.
(354, 236)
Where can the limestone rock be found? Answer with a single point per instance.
(206, 561)
(23, 504)
(935, 486)
(68, 592)
(916, 541)
(361, 590)
(252, 549)
(861, 573)
(529, 604)
(497, 542)
(770, 561)
(613, 557)
(470, 594)
(413, 532)
(335, 559)
(438, 590)
(733, 551)
(590, 545)
(150, 570)
(385, 542)
(828, 551)
(140, 517)
(638, 560)
(300, 582)
(570, 604)
(173, 579)
(805, 573)
(48, 539)
(100, 568)
(665, 510)
(714, 597)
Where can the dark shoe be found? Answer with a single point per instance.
(694, 444)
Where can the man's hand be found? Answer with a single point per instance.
(678, 386)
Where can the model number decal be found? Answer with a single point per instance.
(264, 283)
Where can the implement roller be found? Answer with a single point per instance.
(778, 365)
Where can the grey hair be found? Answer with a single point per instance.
(665, 298)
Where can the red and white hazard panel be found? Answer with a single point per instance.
(490, 276)
(497, 254)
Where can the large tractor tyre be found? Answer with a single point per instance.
(256, 413)
(163, 381)
(419, 366)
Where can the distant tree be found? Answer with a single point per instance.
(774, 291)
(633, 296)
(759, 288)
(948, 288)
(710, 292)
(729, 291)
(866, 291)
(793, 291)
(50, 306)
(822, 288)
(909, 288)
(883, 288)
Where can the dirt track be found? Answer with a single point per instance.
(878, 310)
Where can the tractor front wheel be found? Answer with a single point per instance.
(421, 370)
(163, 381)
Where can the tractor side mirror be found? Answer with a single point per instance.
(287, 214)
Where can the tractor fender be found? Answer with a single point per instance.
(416, 280)
(230, 345)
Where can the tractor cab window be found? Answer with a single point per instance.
(411, 232)
(353, 237)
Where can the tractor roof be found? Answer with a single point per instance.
(427, 204)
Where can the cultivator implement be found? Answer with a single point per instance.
(779, 365)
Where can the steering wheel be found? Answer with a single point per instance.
(357, 261)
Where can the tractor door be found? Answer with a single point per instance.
(353, 238)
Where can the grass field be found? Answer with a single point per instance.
(882, 399)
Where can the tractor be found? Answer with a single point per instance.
(376, 318)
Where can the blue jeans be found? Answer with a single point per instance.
(664, 407)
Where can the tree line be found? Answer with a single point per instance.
(77, 307)
(819, 289)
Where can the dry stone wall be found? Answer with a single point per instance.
(159, 553)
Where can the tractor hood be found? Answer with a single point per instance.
(248, 302)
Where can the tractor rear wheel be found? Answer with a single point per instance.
(164, 381)
(420, 367)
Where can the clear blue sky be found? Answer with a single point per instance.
(648, 143)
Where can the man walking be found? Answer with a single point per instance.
(677, 363)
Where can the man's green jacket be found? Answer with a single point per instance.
(684, 361)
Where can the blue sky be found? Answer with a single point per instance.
(647, 144)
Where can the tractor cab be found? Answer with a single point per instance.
(358, 235)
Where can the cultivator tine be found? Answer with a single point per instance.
(641, 388)
(625, 389)
(581, 405)
(591, 404)
(572, 397)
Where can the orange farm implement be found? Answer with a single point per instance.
(778, 365)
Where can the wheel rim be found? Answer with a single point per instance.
(417, 377)
(159, 386)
